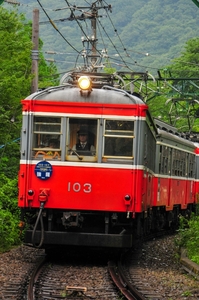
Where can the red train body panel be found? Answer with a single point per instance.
(84, 188)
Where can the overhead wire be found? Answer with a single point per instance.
(127, 51)
(125, 64)
(57, 28)
(115, 30)
(113, 45)
(147, 54)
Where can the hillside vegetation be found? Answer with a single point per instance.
(159, 28)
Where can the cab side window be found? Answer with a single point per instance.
(46, 138)
(118, 138)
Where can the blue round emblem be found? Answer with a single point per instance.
(43, 170)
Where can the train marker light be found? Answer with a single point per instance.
(30, 192)
(85, 83)
(127, 198)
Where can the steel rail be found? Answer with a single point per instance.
(33, 279)
(127, 289)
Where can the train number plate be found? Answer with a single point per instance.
(79, 187)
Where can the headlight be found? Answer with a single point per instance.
(85, 83)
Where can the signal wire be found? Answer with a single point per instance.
(115, 30)
(114, 45)
(57, 28)
(129, 50)
(81, 28)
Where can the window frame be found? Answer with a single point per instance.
(108, 133)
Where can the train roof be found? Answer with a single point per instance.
(69, 93)
(173, 139)
(165, 126)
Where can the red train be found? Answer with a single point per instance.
(133, 176)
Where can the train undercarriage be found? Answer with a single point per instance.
(46, 227)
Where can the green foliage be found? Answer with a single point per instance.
(15, 84)
(186, 65)
(48, 75)
(15, 60)
(8, 194)
(189, 237)
(187, 294)
(9, 158)
(174, 101)
(158, 108)
(8, 230)
(9, 213)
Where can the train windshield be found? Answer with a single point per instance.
(82, 139)
(63, 138)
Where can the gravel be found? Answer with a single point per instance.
(14, 267)
(159, 260)
(162, 269)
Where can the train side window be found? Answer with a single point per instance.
(164, 159)
(174, 162)
(178, 163)
(183, 163)
(191, 166)
(47, 135)
(81, 140)
(118, 139)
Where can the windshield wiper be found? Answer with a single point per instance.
(73, 151)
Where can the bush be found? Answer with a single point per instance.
(9, 194)
(189, 237)
(9, 233)
(9, 213)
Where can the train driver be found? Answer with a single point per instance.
(83, 146)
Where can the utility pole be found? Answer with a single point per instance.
(94, 36)
(35, 50)
(90, 54)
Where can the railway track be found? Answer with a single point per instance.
(90, 280)
(128, 277)
(72, 279)
(127, 289)
(88, 275)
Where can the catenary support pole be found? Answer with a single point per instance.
(35, 50)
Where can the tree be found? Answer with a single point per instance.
(15, 81)
(185, 67)
(15, 84)
(181, 94)
(15, 64)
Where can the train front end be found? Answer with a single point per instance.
(75, 194)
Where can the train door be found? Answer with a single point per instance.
(149, 162)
